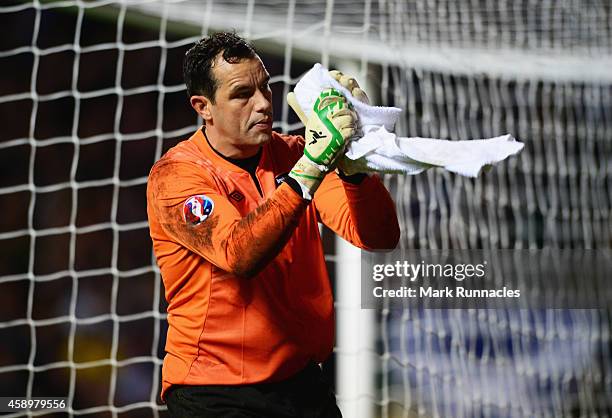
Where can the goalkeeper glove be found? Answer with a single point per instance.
(330, 125)
(351, 85)
(345, 166)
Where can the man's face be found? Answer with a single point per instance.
(241, 115)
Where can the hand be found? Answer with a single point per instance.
(331, 124)
(349, 167)
(329, 127)
(345, 165)
(351, 85)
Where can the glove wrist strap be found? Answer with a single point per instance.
(308, 175)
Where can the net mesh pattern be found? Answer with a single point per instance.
(91, 95)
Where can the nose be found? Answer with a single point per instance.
(263, 101)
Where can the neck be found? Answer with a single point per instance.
(226, 148)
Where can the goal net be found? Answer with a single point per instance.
(91, 95)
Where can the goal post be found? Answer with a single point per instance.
(91, 94)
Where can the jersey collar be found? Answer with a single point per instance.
(208, 151)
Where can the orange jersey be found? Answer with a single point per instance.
(211, 230)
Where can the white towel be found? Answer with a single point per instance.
(380, 150)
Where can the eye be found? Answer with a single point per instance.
(242, 94)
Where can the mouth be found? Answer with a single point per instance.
(263, 124)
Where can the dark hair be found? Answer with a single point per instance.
(197, 66)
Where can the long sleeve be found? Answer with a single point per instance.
(363, 214)
(236, 244)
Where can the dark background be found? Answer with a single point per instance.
(78, 139)
(65, 165)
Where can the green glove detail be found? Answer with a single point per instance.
(329, 127)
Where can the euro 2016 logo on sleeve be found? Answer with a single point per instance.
(197, 209)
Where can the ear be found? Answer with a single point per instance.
(202, 105)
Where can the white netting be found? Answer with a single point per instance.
(91, 95)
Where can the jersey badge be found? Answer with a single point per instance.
(197, 209)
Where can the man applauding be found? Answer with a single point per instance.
(234, 214)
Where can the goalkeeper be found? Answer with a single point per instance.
(233, 214)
